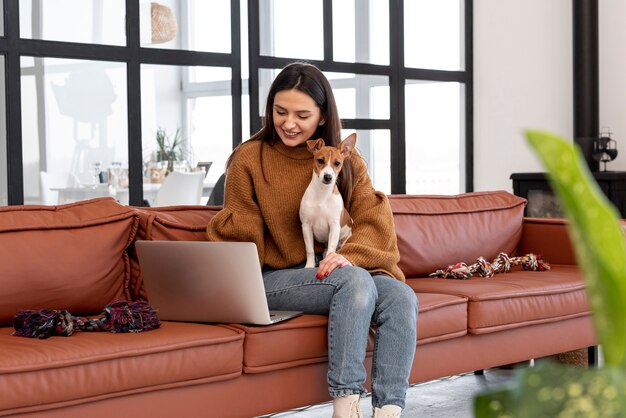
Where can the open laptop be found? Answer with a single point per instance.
(199, 281)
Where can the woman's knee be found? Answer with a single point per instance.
(412, 299)
(407, 299)
(353, 275)
(356, 281)
(400, 297)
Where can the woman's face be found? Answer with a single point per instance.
(296, 117)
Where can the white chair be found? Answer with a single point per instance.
(56, 180)
(180, 189)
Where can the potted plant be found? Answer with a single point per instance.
(555, 390)
(169, 149)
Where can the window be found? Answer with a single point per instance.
(73, 115)
(96, 81)
(87, 21)
(434, 145)
(400, 76)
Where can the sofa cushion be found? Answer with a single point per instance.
(435, 231)
(102, 364)
(175, 223)
(291, 343)
(440, 317)
(64, 257)
(171, 223)
(515, 299)
(303, 340)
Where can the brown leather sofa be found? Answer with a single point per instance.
(81, 256)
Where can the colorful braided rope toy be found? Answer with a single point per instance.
(501, 264)
(120, 316)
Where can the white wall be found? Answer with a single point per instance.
(522, 79)
(612, 33)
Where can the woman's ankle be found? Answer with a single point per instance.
(387, 411)
(347, 406)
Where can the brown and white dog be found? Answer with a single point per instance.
(322, 212)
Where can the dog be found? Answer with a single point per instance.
(322, 213)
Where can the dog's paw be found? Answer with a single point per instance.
(309, 265)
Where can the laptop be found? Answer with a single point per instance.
(199, 281)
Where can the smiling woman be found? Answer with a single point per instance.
(360, 282)
(296, 117)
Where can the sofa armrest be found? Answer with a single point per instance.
(547, 236)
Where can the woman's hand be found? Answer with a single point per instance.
(329, 263)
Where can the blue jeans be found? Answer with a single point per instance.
(352, 299)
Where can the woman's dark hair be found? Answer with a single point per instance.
(308, 79)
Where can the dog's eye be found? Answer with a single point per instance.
(337, 163)
(320, 160)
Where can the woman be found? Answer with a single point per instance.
(361, 282)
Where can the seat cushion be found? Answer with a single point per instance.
(64, 257)
(303, 340)
(440, 317)
(435, 231)
(515, 299)
(89, 364)
(296, 342)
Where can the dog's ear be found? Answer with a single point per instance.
(347, 145)
(315, 144)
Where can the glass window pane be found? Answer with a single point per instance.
(4, 200)
(2, 18)
(434, 137)
(74, 114)
(433, 34)
(211, 139)
(360, 96)
(200, 74)
(245, 117)
(201, 113)
(282, 32)
(361, 31)
(196, 25)
(244, 39)
(88, 21)
(375, 148)
(266, 77)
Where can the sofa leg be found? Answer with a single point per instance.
(592, 356)
(479, 372)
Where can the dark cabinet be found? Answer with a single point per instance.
(541, 201)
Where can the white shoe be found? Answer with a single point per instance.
(388, 411)
(347, 407)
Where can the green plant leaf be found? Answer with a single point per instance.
(498, 403)
(551, 390)
(555, 390)
(597, 236)
(170, 149)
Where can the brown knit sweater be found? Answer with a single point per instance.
(264, 186)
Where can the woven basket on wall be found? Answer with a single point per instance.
(164, 25)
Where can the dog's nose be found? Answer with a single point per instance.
(328, 178)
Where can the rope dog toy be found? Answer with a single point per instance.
(120, 316)
(501, 264)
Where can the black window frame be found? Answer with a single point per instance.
(133, 55)
(397, 73)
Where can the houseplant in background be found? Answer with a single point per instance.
(555, 390)
(170, 149)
